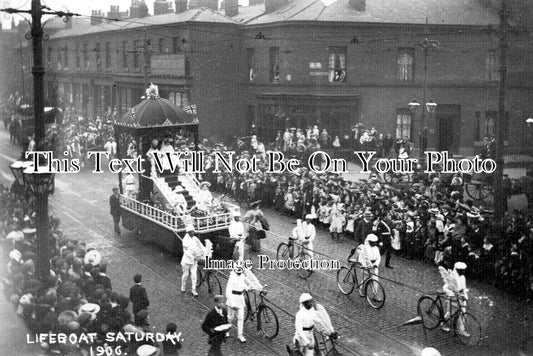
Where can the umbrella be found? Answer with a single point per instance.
(156, 111)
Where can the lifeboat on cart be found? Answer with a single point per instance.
(148, 199)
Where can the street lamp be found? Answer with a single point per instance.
(40, 183)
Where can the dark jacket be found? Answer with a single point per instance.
(362, 230)
(114, 204)
(212, 320)
(138, 298)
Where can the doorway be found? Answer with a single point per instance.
(448, 119)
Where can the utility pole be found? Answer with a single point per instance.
(41, 204)
(22, 74)
(146, 48)
(503, 31)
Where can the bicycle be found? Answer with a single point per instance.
(267, 320)
(213, 283)
(348, 278)
(285, 251)
(432, 313)
(328, 345)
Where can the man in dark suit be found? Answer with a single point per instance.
(216, 317)
(138, 296)
(114, 205)
(364, 227)
(383, 229)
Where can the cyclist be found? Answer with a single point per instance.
(455, 287)
(235, 288)
(304, 324)
(305, 233)
(370, 257)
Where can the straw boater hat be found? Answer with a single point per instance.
(92, 257)
(147, 350)
(90, 308)
(179, 189)
(66, 317)
(205, 183)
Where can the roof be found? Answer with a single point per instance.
(445, 12)
(82, 26)
(247, 13)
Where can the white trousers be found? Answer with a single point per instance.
(189, 269)
(237, 313)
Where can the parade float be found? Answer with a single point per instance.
(149, 209)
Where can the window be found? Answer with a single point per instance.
(274, 64)
(161, 45)
(107, 55)
(403, 123)
(85, 56)
(78, 59)
(337, 64)
(176, 45)
(59, 59)
(124, 54)
(492, 66)
(49, 57)
(250, 60)
(490, 124)
(98, 56)
(65, 57)
(406, 60)
(136, 54)
(477, 114)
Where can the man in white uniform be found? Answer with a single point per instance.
(304, 324)
(309, 234)
(189, 261)
(235, 299)
(236, 232)
(458, 274)
(370, 257)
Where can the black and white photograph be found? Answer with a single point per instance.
(266, 177)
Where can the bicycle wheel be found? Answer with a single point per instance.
(467, 328)
(429, 311)
(267, 322)
(199, 276)
(213, 284)
(345, 280)
(303, 272)
(375, 294)
(334, 352)
(248, 306)
(283, 252)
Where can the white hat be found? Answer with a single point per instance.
(372, 238)
(459, 265)
(179, 189)
(15, 255)
(189, 227)
(430, 351)
(93, 257)
(305, 297)
(236, 213)
(309, 217)
(90, 308)
(147, 350)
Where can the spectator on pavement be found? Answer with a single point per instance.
(138, 296)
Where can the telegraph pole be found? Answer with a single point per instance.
(146, 58)
(503, 31)
(22, 74)
(41, 204)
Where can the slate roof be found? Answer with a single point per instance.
(445, 12)
(82, 26)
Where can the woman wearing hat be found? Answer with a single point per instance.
(179, 203)
(204, 199)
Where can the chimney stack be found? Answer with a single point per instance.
(97, 17)
(255, 2)
(161, 7)
(231, 7)
(180, 6)
(273, 5)
(195, 4)
(359, 5)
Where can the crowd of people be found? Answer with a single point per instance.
(429, 220)
(78, 297)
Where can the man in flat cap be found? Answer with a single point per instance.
(215, 318)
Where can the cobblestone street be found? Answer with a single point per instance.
(81, 202)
